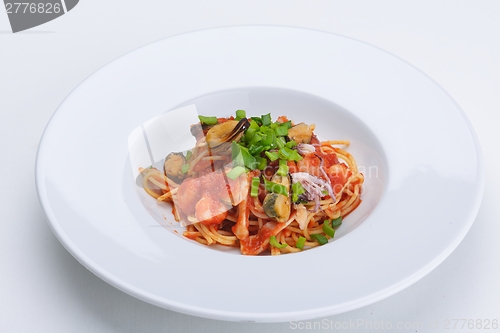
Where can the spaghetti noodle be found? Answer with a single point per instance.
(258, 185)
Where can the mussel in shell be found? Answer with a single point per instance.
(220, 136)
(278, 206)
(173, 167)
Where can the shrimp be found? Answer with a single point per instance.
(327, 167)
(310, 164)
(239, 191)
(208, 198)
(259, 242)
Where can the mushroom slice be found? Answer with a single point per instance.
(300, 133)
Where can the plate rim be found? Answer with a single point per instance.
(83, 259)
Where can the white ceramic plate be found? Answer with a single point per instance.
(421, 158)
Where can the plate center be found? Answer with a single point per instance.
(332, 123)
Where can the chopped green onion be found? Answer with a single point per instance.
(253, 124)
(322, 240)
(336, 222)
(284, 153)
(254, 190)
(280, 142)
(258, 120)
(208, 120)
(256, 149)
(294, 155)
(242, 157)
(235, 172)
(327, 228)
(262, 163)
(272, 156)
(185, 168)
(272, 135)
(188, 155)
(275, 187)
(281, 130)
(249, 134)
(275, 243)
(300, 242)
(266, 119)
(240, 114)
(297, 190)
(269, 138)
(236, 155)
(291, 144)
(283, 168)
(257, 138)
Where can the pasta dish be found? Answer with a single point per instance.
(258, 184)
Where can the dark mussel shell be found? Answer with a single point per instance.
(219, 140)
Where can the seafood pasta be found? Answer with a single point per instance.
(258, 184)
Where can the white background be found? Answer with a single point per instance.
(44, 289)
